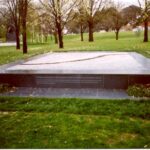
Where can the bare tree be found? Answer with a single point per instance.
(78, 22)
(12, 7)
(91, 7)
(48, 26)
(81, 19)
(4, 19)
(118, 19)
(145, 15)
(59, 9)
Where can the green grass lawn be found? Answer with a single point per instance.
(73, 123)
(103, 42)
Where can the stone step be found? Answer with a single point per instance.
(88, 93)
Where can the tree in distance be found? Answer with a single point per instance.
(145, 16)
(12, 8)
(118, 19)
(78, 22)
(91, 7)
(59, 10)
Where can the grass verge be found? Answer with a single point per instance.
(73, 123)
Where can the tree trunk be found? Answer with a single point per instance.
(52, 37)
(24, 39)
(117, 34)
(81, 31)
(45, 38)
(55, 37)
(107, 29)
(60, 35)
(91, 39)
(24, 26)
(146, 30)
(17, 38)
(33, 34)
(42, 38)
(32, 37)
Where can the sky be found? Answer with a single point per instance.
(128, 2)
(125, 2)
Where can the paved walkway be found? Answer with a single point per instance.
(68, 93)
(8, 44)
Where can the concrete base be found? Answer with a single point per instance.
(106, 70)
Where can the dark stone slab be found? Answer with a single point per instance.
(74, 81)
(70, 70)
(116, 81)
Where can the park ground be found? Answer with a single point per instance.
(75, 123)
(128, 42)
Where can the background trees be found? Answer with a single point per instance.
(131, 13)
(51, 17)
(112, 18)
(145, 16)
(118, 19)
(3, 22)
(91, 7)
(59, 11)
(13, 13)
(77, 21)
(17, 13)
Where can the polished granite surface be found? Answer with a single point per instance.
(83, 63)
